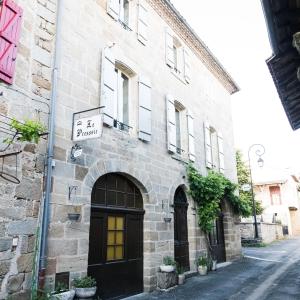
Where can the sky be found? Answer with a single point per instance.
(236, 33)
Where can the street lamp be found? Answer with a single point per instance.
(260, 151)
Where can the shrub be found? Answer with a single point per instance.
(85, 282)
(169, 261)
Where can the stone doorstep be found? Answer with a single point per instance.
(224, 264)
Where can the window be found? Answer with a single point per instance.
(115, 238)
(180, 128)
(124, 11)
(275, 195)
(178, 131)
(119, 10)
(214, 149)
(121, 101)
(178, 57)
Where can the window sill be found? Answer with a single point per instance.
(124, 25)
(178, 76)
(180, 158)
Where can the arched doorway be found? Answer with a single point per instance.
(181, 243)
(217, 239)
(116, 237)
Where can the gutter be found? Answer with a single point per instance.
(50, 150)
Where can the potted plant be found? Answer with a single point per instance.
(181, 275)
(62, 292)
(214, 265)
(85, 287)
(202, 265)
(168, 264)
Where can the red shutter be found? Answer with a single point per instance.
(10, 25)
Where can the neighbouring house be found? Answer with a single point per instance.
(278, 193)
(280, 200)
(135, 96)
(27, 30)
(283, 23)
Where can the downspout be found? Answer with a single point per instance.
(53, 100)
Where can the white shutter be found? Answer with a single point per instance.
(187, 66)
(171, 125)
(169, 48)
(113, 8)
(190, 121)
(221, 153)
(143, 24)
(208, 150)
(145, 109)
(108, 86)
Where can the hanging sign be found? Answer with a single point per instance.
(246, 187)
(87, 128)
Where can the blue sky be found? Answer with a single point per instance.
(236, 33)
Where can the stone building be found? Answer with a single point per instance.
(279, 197)
(163, 101)
(25, 92)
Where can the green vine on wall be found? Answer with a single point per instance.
(29, 131)
(208, 192)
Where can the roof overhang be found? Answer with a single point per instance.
(283, 21)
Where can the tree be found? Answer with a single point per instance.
(243, 174)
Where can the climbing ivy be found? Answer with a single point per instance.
(208, 192)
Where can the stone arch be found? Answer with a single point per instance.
(131, 171)
(178, 183)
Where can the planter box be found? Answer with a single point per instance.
(166, 280)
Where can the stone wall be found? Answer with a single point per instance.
(27, 98)
(86, 30)
(268, 232)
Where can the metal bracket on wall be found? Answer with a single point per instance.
(72, 189)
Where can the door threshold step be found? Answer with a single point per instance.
(224, 264)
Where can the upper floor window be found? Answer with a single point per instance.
(124, 11)
(214, 148)
(275, 195)
(115, 91)
(177, 57)
(121, 101)
(119, 10)
(180, 129)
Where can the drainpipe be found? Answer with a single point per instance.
(53, 100)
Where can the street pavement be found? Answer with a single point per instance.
(267, 273)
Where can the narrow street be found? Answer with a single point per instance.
(271, 272)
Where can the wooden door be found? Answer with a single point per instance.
(116, 239)
(217, 240)
(181, 244)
